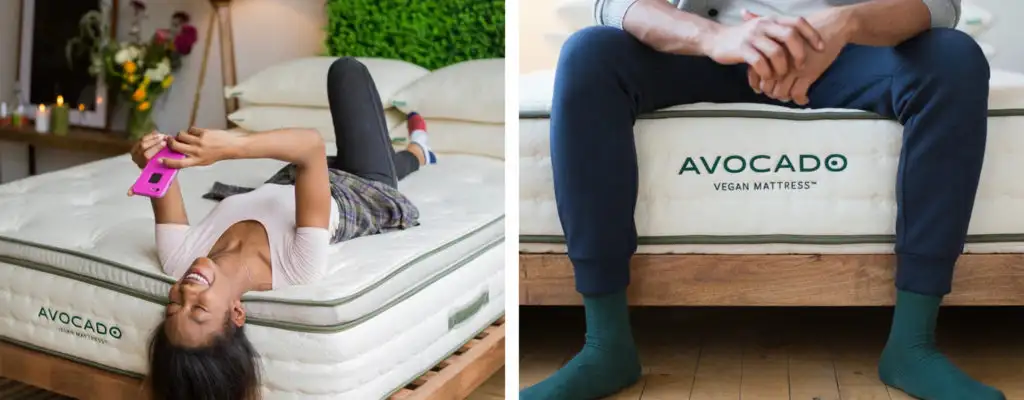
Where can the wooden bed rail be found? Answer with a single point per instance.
(66, 377)
(773, 280)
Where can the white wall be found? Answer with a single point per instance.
(1006, 34)
(10, 16)
(537, 19)
(265, 32)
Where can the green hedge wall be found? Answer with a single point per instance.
(430, 33)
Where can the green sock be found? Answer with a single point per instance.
(608, 362)
(912, 363)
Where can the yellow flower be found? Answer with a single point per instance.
(143, 106)
(130, 67)
(139, 95)
(130, 78)
(167, 81)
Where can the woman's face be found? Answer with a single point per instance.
(199, 305)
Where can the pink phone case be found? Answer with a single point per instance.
(155, 178)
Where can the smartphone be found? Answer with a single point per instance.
(156, 178)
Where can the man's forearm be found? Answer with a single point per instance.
(886, 22)
(296, 146)
(663, 27)
(170, 209)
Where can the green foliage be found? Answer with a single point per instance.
(431, 33)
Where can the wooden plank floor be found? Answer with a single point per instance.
(493, 389)
(776, 353)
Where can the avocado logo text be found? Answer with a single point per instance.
(78, 325)
(762, 164)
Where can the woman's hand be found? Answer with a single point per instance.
(203, 147)
(147, 147)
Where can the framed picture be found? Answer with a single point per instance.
(47, 70)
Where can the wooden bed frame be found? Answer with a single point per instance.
(454, 378)
(773, 280)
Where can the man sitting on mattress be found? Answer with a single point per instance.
(897, 58)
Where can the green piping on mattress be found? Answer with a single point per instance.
(377, 283)
(296, 327)
(83, 278)
(69, 357)
(775, 239)
(118, 371)
(762, 114)
(251, 298)
(291, 326)
(90, 257)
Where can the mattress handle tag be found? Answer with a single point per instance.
(465, 313)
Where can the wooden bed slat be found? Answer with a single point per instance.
(773, 280)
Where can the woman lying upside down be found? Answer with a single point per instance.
(274, 236)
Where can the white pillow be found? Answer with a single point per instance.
(468, 91)
(460, 137)
(303, 81)
(974, 20)
(265, 118)
(536, 90)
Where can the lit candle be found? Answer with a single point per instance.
(42, 119)
(60, 117)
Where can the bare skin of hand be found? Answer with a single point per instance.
(202, 147)
(147, 147)
(772, 46)
(794, 85)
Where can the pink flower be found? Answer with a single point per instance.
(161, 36)
(185, 39)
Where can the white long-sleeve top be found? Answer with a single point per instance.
(298, 255)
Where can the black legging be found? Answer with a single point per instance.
(360, 131)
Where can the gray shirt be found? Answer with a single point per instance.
(945, 13)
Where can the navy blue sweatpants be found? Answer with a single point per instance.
(935, 85)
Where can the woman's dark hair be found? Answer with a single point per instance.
(226, 369)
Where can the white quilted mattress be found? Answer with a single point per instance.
(845, 205)
(75, 248)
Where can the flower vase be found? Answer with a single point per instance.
(140, 123)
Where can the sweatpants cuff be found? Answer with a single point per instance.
(596, 278)
(924, 275)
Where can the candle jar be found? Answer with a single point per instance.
(18, 117)
(5, 115)
(59, 118)
(42, 119)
